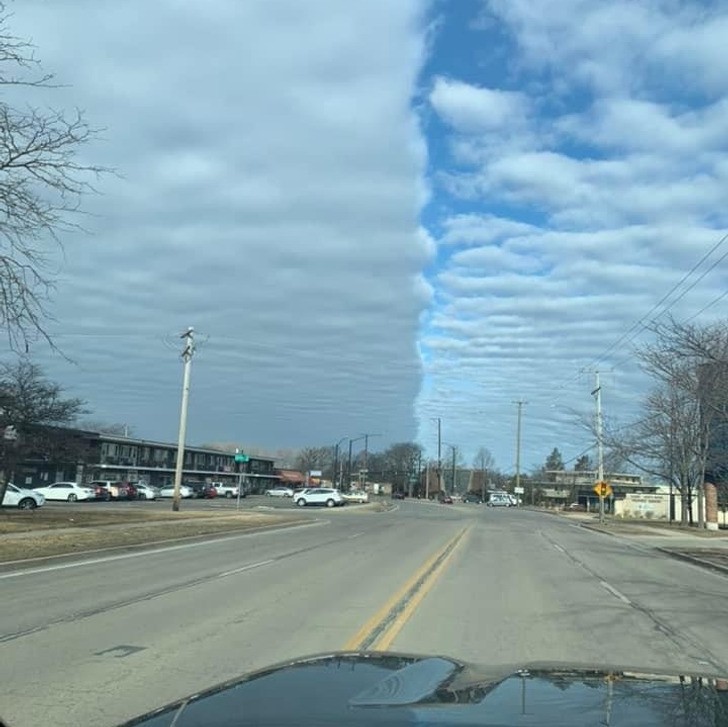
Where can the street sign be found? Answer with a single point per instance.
(519, 490)
(603, 489)
(240, 457)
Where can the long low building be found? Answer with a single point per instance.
(95, 456)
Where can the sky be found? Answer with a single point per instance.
(376, 214)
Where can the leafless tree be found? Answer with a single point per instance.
(42, 182)
(33, 413)
(313, 458)
(114, 428)
(484, 462)
(687, 411)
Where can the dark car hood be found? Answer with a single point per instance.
(396, 689)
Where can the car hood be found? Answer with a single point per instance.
(396, 689)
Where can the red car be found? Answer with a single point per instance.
(444, 498)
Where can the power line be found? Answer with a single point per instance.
(637, 326)
(706, 307)
(639, 323)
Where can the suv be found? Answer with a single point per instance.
(472, 497)
(318, 496)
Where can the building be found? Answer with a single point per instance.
(562, 487)
(99, 456)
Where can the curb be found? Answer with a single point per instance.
(715, 567)
(151, 544)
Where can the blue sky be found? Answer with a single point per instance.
(378, 213)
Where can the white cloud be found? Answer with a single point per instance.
(473, 109)
(579, 220)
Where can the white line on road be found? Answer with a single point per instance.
(355, 535)
(146, 553)
(615, 592)
(558, 547)
(246, 567)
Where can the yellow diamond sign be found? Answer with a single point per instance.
(603, 489)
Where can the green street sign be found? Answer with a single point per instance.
(242, 458)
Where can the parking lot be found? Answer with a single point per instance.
(251, 502)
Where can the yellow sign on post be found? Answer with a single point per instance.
(603, 489)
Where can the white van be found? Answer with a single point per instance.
(500, 499)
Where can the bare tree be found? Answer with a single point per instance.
(114, 428)
(314, 458)
(484, 462)
(401, 462)
(41, 184)
(687, 411)
(33, 412)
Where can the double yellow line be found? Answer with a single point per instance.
(378, 633)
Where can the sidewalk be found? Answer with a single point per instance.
(707, 548)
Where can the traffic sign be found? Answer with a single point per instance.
(240, 457)
(603, 489)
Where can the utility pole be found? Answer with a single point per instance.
(351, 442)
(189, 349)
(365, 437)
(336, 463)
(454, 468)
(439, 451)
(520, 404)
(597, 393)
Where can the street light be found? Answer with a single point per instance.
(336, 461)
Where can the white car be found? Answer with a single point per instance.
(184, 491)
(66, 491)
(146, 492)
(279, 491)
(21, 498)
(319, 496)
(355, 496)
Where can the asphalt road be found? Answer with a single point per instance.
(94, 641)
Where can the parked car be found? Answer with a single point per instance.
(356, 496)
(146, 492)
(100, 492)
(224, 489)
(472, 497)
(116, 490)
(202, 490)
(184, 491)
(319, 496)
(398, 495)
(444, 498)
(22, 498)
(279, 491)
(67, 491)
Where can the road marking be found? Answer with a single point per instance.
(558, 547)
(355, 535)
(615, 592)
(386, 623)
(144, 553)
(246, 567)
